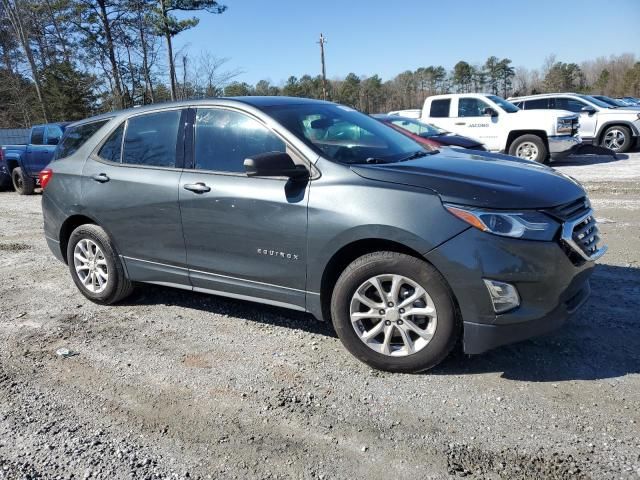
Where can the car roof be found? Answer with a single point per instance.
(259, 102)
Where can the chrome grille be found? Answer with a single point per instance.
(582, 236)
(585, 234)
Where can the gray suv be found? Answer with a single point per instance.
(314, 206)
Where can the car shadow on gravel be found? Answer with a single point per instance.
(601, 341)
(584, 159)
(256, 312)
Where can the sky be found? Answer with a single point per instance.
(278, 38)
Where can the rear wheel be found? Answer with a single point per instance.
(529, 147)
(394, 312)
(95, 267)
(617, 138)
(23, 183)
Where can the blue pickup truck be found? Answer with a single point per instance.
(20, 164)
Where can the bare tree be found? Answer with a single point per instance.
(14, 10)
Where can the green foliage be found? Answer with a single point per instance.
(68, 92)
(565, 77)
(237, 89)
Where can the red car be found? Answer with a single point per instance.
(427, 135)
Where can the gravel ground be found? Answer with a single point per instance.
(174, 384)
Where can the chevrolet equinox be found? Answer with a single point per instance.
(314, 206)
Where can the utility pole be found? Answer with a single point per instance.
(324, 73)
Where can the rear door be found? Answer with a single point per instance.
(245, 236)
(130, 187)
(35, 153)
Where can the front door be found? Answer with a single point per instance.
(245, 236)
(471, 121)
(588, 120)
(131, 188)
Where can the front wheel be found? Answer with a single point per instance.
(529, 147)
(23, 184)
(394, 312)
(617, 138)
(95, 267)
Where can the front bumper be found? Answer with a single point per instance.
(550, 285)
(562, 146)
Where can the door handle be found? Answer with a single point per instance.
(100, 177)
(197, 187)
(460, 123)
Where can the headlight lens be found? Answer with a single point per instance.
(529, 225)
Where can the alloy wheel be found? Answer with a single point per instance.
(91, 265)
(527, 150)
(614, 139)
(393, 315)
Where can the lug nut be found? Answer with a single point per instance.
(381, 311)
(399, 322)
(401, 310)
(387, 322)
(390, 304)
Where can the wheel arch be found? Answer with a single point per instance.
(67, 227)
(347, 254)
(616, 123)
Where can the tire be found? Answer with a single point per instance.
(530, 147)
(617, 138)
(22, 183)
(105, 262)
(443, 329)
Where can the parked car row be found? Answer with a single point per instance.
(602, 121)
(535, 127)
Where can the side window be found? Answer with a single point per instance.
(440, 108)
(75, 137)
(37, 136)
(224, 138)
(111, 150)
(537, 104)
(54, 134)
(471, 107)
(150, 139)
(571, 104)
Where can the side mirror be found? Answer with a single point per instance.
(274, 164)
(588, 109)
(490, 112)
(53, 141)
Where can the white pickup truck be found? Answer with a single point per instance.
(537, 135)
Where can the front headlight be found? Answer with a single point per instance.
(529, 225)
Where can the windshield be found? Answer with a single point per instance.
(416, 127)
(343, 134)
(611, 101)
(595, 101)
(501, 102)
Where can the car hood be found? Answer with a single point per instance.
(482, 180)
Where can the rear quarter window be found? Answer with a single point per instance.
(75, 137)
(440, 108)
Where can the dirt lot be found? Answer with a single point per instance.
(174, 385)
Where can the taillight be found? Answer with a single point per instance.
(44, 176)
